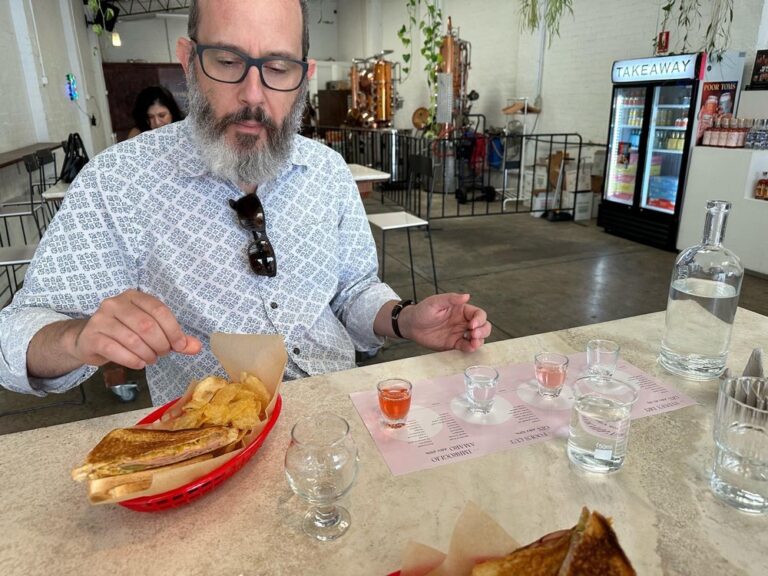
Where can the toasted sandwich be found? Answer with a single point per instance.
(595, 549)
(590, 547)
(128, 450)
(540, 558)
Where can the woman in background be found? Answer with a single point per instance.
(154, 107)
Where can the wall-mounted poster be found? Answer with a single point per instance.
(760, 71)
(717, 101)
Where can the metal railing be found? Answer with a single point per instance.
(474, 173)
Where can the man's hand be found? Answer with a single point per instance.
(132, 329)
(441, 322)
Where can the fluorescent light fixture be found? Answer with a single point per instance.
(116, 39)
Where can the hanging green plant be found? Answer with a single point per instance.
(96, 8)
(428, 24)
(718, 33)
(532, 13)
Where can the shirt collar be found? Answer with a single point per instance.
(190, 163)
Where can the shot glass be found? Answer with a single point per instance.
(480, 384)
(599, 428)
(741, 444)
(602, 357)
(551, 369)
(394, 401)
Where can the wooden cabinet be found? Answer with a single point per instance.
(332, 107)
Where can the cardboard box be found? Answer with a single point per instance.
(583, 207)
(596, 184)
(541, 201)
(536, 179)
(570, 183)
(598, 163)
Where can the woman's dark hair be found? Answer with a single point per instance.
(154, 95)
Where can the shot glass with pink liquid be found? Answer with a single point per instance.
(394, 401)
(551, 369)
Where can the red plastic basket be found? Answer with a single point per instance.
(193, 490)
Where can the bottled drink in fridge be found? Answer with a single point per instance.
(703, 297)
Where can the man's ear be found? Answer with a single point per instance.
(183, 48)
(312, 68)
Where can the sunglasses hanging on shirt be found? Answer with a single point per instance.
(250, 215)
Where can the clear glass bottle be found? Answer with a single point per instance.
(703, 297)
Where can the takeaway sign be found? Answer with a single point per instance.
(655, 69)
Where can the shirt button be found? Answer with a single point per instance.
(296, 351)
(273, 305)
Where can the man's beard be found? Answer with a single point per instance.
(246, 162)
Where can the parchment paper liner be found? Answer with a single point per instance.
(476, 537)
(260, 354)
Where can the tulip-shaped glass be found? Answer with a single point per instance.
(321, 465)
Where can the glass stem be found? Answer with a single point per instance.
(326, 515)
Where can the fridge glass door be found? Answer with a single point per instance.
(666, 144)
(626, 127)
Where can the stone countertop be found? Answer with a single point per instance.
(363, 173)
(666, 518)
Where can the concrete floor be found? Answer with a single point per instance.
(529, 274)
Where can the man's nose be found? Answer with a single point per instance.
(251, 88)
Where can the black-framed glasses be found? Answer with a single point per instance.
(250, 215)
(231, 67)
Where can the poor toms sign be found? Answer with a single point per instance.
(649, 69)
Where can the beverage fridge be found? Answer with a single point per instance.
(659, 109)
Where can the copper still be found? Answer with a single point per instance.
(456, 61)
(374, 94)
(382, 78)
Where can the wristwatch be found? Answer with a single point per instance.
(396, 314)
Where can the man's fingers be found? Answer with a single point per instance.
(455, 299)
(475, 316)
(116, 330)
(107, 349)
(192, 346)
(163, 330)
(134, 329)
(469, 345)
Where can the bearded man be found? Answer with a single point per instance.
(227, 221)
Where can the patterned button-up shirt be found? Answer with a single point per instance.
(148, 214)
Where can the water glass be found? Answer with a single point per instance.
(321, 465)
(480, 384)
(602, 357)
(599, 429)
(551, 369)
(394, 401)
(740, 472)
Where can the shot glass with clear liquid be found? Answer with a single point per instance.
(602, 358)
(480, 385)
(599, 428)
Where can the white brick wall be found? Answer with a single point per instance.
(16, 128)
(577, 81)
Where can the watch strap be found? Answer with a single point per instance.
(396, 314)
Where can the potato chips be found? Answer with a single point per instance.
(216, 402)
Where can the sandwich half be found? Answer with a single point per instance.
(591, 547)
(128, 450)
(595, 549)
